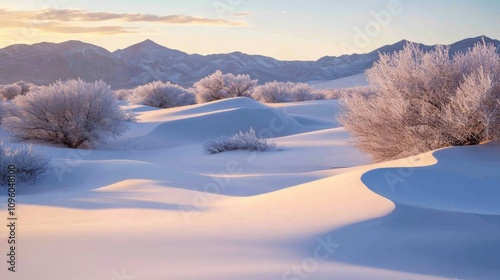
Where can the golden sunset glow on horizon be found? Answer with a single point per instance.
(282, 29)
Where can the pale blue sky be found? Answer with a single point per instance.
(294, 30)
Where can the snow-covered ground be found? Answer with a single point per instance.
(151, 205)
(347, 82)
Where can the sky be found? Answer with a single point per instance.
(283, 29)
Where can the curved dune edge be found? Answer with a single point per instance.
(463, 179)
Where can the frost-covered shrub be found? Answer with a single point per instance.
(162, 95)
(123, 94)
(29, 163)
(423, 101)
(10, 91)
(220, 86)
(2, 110)
(25, 87)
(273, 92)
(240, 141)
(336, 93)
(278, 92)
(301, 92)
(72, 113)
(130, 116)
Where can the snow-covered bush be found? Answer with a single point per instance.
(72, 113)
(278, 92)
(272, 92)
(29, 163)
(302, 92)
(425, 100)
(220, 86)
(240, 141)
(10, 91)
(123, 94)
(25, 87)
(162, 95)
(336, 93)
(2, 110)
(130, 116)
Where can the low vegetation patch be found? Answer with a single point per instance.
(279, 92)
(221, 86)
(10, 91)
(29, 163)
(161, 95)
(73, 113)
(240, 141)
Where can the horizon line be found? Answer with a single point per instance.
(146, 40)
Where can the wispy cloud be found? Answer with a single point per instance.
(103, 30)
(81, 15)
(242, 14)
(77, 21)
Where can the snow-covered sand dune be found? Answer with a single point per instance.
(464, 179)
(152, 205)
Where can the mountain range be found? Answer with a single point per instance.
(44, 63)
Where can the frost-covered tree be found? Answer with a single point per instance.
(211, 88)
(29, 163)
(239, 85)
(220, 86)
(73, 113)
(425, 100)
(162, 95)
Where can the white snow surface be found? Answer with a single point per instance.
(346, 82)
(151, 205)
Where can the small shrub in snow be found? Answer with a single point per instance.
(336, 93)
(220, 86)
(424, 101)
(2, 110)
(272, 92)
(130, 116)
(240, 141)
(29, 163)
(301, 92)
(162, 95)
(10, 91)
(278, 92)
(25, 87)
(72, 113)
(123, 94)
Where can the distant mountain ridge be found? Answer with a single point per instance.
(44, 63)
